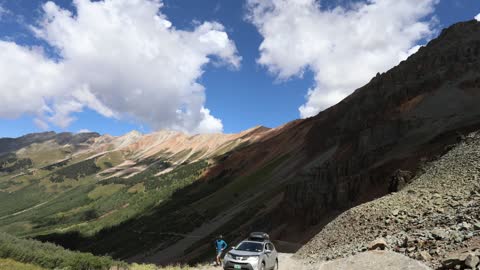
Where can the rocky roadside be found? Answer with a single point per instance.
(435, 218)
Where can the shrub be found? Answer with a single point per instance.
(51, 256)
(10, 163)
(77, 170)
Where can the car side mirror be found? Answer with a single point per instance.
(268, 251)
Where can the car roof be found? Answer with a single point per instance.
(253, 241)
(259, 235)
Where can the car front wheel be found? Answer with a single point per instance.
(262, 267)
(276, 265)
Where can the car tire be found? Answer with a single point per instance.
(263, 266)
(276, 265)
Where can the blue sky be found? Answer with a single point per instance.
(257, 92)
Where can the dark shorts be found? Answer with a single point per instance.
(219, 253)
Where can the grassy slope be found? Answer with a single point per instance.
(50, 256)
(25, 254)
(45, 153)
(14, 265)
(187, 209)
(76, 201)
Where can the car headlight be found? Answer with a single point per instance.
(253, 259)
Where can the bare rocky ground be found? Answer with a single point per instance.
(435, 218)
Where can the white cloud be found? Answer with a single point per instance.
(344, 47)
(41, 124)
(3, 10)
(121, 58)
(28, 79)
(84, 130)
(208, 122)
(477, 17)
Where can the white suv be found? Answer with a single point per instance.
(254, 253)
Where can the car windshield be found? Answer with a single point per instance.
(250, 246)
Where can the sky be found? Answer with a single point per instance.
(199, 66)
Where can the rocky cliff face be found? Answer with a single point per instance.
(406, 115)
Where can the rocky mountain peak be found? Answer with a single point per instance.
(459, 31)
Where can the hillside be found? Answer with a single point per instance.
(433, 217)
(167, 194)
(85, 182)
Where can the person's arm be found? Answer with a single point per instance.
(225, 245)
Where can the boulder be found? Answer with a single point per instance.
(399, 179)
(455, 259)
(378, 243)
(465, 225)
(472, 261)
(439, 234)
(476, 226)
(425, 256)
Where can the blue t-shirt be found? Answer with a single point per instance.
(220, 244)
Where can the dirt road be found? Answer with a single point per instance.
(286, 262)
(372, 260)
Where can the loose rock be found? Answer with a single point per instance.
(379, 243)
(472, 261)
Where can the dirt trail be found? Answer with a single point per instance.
(25, 210)
(286, 262)
(371, 260)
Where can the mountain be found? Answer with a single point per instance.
(95, 181)
(167, 194)
(358, 149)
(13, 144)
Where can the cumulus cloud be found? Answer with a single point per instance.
(121, 58)
(343, 46)
(477, 17)
(84, 130)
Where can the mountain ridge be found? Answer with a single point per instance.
(289, 181)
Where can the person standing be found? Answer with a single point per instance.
(220, 246)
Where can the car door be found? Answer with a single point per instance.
(268, 256)
(274, 255)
